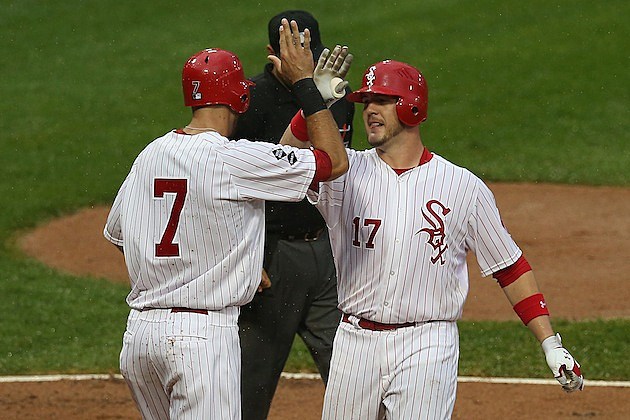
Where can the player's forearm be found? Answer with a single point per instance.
(324, 135)
(327, 139)
(289, 139)
(519, 291)
(521, 288)
(541, 327)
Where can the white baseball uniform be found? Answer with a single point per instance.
(400, 244)
(190, 219)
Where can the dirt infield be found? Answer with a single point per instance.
(576, 238)
(301, 399)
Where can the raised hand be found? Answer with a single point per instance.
(296, 59)
(329, 73)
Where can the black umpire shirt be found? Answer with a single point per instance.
(271, 108)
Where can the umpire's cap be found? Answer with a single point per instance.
(304, 20)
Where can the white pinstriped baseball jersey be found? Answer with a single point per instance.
(190, 217)
(400, 241)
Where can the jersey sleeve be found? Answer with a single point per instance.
(269, 171)
(328, 197)
(487, 236)
(113, 227)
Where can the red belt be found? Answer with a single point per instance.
(195, 311)
(376, 326)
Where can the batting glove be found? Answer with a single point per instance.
(329, 72)
(565, 368)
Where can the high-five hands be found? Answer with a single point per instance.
(296, 62)
(330, 72)
(565, 368)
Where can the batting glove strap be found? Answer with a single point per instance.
(564, 367)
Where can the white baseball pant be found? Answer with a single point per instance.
(406, 373)
(183, 365)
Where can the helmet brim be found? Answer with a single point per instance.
(357, 95)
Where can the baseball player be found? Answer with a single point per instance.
(401, 222)
(298, 258)
(189, 218)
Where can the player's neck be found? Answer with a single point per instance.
(218, 119)
(402, 152)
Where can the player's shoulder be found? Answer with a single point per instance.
(361, 154)
(263, 148)
(355, 157)
(452, 170)
(158, 142)
(445, 163)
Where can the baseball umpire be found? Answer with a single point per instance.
(189, 218)
(401, 221)
(298, 260)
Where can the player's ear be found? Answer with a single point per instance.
(270, 50)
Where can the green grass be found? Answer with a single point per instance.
(519, 91)
(507, 349)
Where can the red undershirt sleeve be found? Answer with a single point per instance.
(510, 274)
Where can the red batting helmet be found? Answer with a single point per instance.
(394, 78)
(214, 76)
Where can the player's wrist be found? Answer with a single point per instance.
(308, 96)
(550, 343)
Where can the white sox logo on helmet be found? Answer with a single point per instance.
(370, 77)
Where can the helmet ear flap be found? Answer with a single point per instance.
(409, 113)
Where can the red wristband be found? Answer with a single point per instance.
(531, 307)
(298, 127)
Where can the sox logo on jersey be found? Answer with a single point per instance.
(436, 231)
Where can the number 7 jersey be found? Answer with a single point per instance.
(190, 217)
(400, 241)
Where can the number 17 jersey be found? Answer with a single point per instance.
(400, 241)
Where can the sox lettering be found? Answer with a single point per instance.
(436, 232)
(370, 77)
